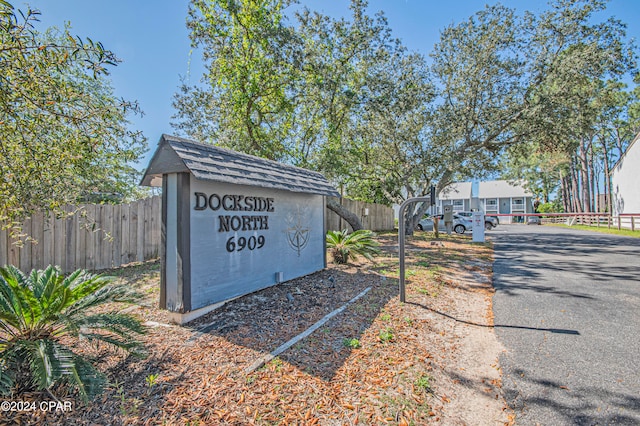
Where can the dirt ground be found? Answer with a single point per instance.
(432, 360)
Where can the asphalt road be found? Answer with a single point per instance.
(567, 310)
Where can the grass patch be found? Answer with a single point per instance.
(602, 230)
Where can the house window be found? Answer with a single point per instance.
(458, 205)
(491, 205)
(517, 205)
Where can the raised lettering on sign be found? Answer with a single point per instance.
(242, 223)
(233, 202)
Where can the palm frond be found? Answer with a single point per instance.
(39, 310)
(116, 329)
(345, 246)
(17, 297)
(48, 361)
(104, 294)
(7, 375)
(86, 378)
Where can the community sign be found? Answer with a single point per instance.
(232, 224)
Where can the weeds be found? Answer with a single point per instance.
(386, 335)
(276, 363)
(151, 381)
(424, 383)
(351, 343)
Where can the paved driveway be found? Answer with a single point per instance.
(567, 310)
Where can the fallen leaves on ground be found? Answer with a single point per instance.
(378, 362)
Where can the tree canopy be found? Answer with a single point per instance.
(344, 97)
(63, 133)
(582, 108)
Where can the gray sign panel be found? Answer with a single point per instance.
(243, 238)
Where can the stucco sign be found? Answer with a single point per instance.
(233, 224)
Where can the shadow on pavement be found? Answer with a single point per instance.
(589, 405)
(550, 330)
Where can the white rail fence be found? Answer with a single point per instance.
(624, 221)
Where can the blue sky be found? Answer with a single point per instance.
(151, 39)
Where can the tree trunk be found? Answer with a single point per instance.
(575, 191)
(584, 176)
(351, 218)
(412, 218)
(566, 197)
(607, 179)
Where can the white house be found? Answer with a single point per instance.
(494, 197)
(625, 181)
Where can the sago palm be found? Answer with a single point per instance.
(43, 314)
(344, 246)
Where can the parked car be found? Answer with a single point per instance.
(533, 220)
(460, 224)
(490, 222)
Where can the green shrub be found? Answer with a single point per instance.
(351, 343)
(553, 207)
(43, 315)
(344, 246)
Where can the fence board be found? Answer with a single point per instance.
(70, 241)
(153, 218)
(4, 256)
(140, 231)
(101, 238)
(156, 225)
(117, 234)
(81, 239)
(133, 233)
(26, 249)
(106, 251)
(13, 251)
(59, 241)
(37, 246)
(125, 220)
(47, 240)
(90, 237)
(139, 245)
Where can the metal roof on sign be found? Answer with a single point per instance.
(212, 163)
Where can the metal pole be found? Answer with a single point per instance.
(401, 238)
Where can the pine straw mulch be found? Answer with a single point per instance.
(377, 362)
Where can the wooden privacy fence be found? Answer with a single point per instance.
(375, 217)
(98, 236)
(103, 236)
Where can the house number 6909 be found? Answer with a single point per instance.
(251, 243)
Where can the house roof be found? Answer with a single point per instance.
(212, 163)
(501, 188)
(489, 189)
(456, 191)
